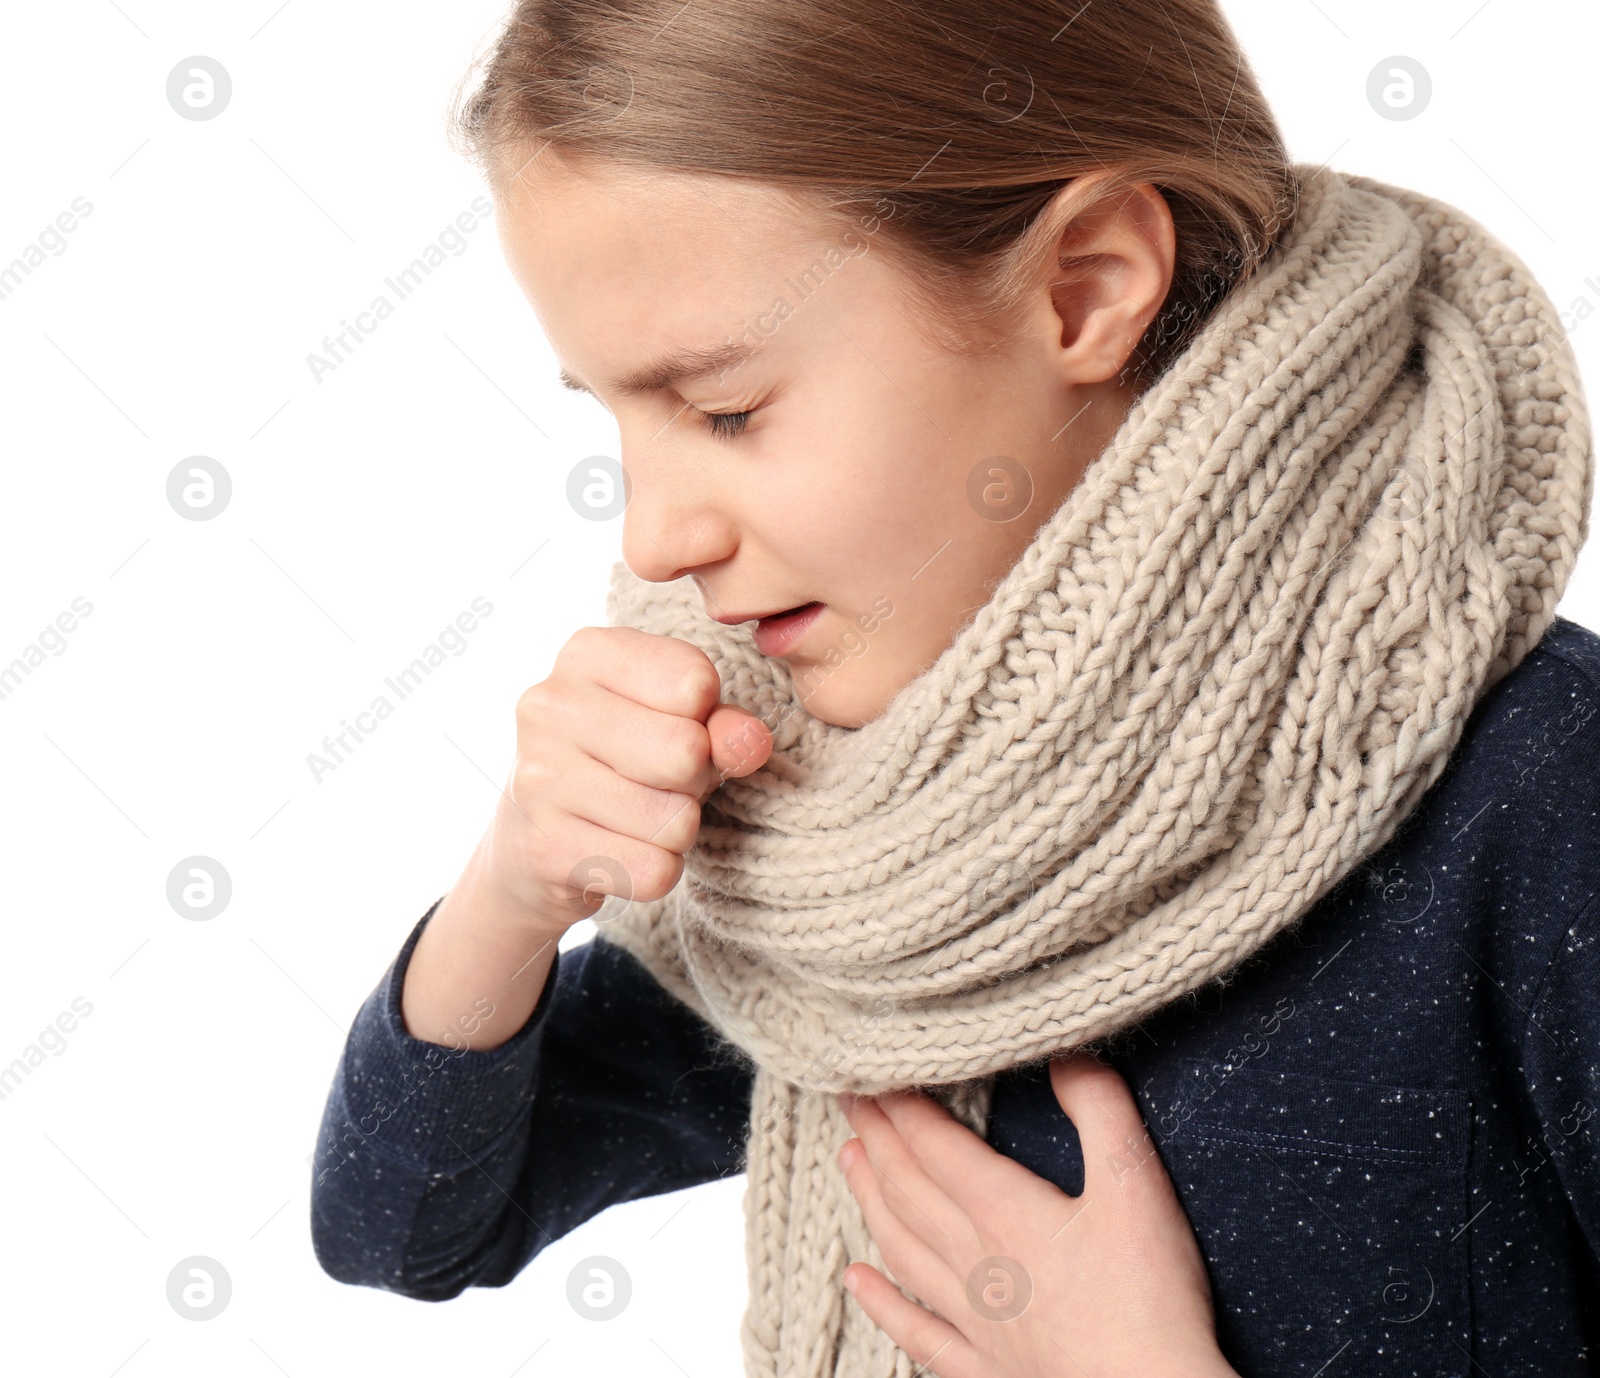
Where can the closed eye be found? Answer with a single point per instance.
(724, 424)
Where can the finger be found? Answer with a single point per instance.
(665, 673)
(935, 1345)
(600, 795)
(740, 741)
(1111, 1131)
(913, 1196)
(983, 1183)
(661, 750)
(907, 1256)
(646, 871)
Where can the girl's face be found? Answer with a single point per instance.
(792, 437)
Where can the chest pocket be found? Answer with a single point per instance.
(1331, 1215)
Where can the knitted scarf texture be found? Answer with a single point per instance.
(1226, 668)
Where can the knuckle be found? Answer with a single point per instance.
(697, 688)
(556, 891)
(533, 703)
(680, 822)
(581, 651)
(591, 878)
(685, 750)
(541, 712)
(572, 874)
(654, 873)
(586, 640)
(531, 778)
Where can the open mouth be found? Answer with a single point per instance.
(774, 619)
(778, 632)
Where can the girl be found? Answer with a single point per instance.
(1152, 549)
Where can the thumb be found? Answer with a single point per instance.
(740, 741)
(1111, 1131)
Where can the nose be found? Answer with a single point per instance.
(675, 521)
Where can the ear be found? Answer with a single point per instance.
(1110, 271)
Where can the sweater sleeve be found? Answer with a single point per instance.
(439, 1169)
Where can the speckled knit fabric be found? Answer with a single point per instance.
(1225, 669)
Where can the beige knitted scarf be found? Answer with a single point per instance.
(1226, 668)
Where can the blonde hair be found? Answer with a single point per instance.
(953, 124)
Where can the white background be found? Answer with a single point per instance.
(368, 510)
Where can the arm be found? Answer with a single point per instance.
(441, 1168)
(479, 966)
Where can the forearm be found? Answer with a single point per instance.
(478, 968)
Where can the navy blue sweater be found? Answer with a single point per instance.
(1382, 1125)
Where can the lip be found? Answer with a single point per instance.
(732, 618)
(776, 634)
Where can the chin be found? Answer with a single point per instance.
(836, 704)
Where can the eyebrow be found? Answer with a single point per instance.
(673, 367)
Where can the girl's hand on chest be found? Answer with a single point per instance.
(1025, 1281)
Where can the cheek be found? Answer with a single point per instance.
(872, 502)
(864, 526)
(880, 482)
